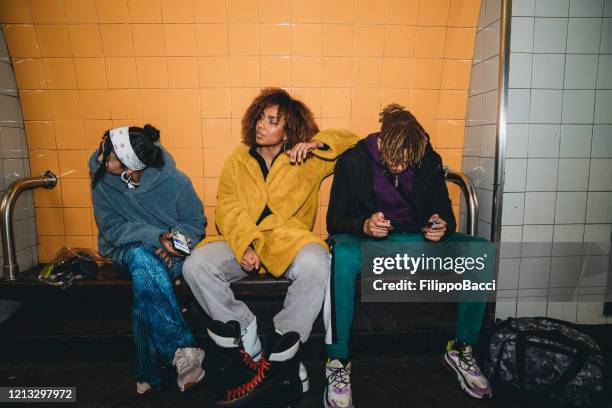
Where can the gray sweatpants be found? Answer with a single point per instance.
(210, 269)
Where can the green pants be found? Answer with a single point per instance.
(347, 268)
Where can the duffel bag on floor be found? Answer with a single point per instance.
(536, 358)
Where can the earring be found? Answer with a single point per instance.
(126, 178)
(284, 144)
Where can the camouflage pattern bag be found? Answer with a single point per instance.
(545, 360)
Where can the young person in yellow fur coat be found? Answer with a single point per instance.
(266, 208)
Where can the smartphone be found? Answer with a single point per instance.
(180, 242)
(410, 227)
(406, 227)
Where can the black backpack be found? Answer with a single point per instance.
(543, 360)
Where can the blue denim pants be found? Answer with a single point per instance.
(157, 322)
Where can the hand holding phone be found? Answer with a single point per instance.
(180, 242)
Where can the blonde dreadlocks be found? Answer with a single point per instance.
(402, 138)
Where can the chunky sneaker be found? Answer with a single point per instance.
(188, 363)
(228, 364)
(459, 359)
(143, 388)
(276, 381)
(338, 392)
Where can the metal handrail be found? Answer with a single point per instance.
(48, 180)
(471, 199)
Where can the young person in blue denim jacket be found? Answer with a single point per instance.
(138, 197)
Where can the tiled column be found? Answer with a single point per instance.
(558, 170)
(15, 163)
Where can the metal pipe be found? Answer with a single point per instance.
(48, 180)
(471, 199)
(505, 28)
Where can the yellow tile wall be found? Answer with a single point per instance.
(191, 67)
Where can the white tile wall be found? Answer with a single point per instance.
(583, 35)
(517, 140)
(538, 207)
(608, 9)
(603, 107)
(487, 166)
(491, 43)
(534, 272)
(573, 174)
(518, 105)
(548, 70)
(520, 70)
(550, 35)
(521, 36)
(544, 140)
(493, 11)
(508, 277)
(537, 240)
(514, 207)
(599, 207)
(515, 175)
(581, 71)
(570, 207)
(505, 309)
(545, 106)
(602, 141)
(533, 307)
(604, 73)
(551, 8)
(562, 310)
(542, 174)
(491, 73)
(598, 233)
(606, 36)
(523, 7)
(600, 176)
(590, 312)
(485, 204)
(487, 141)
(586, 8)
(578, 106)
(575, 140)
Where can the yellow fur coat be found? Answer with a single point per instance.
(291, 191)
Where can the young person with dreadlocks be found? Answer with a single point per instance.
(266, 208)
(391, 175)
(138, 196)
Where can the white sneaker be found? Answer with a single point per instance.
(143, 388)
(338, 393)
(304, 378)
(188, 363)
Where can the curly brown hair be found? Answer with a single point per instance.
(402, 138)
(300, 125)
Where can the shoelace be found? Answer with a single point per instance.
(236, 392)
(339, 378)
(246, 357)
(467, 361)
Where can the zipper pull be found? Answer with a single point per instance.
(396, 181)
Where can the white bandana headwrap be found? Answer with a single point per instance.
(120, 137)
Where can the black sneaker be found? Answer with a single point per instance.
(227, 363)
(276, 381)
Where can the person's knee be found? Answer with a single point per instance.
(314, 262)
(201, 264)
(139, 258)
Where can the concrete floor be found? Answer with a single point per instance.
(388, 383)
